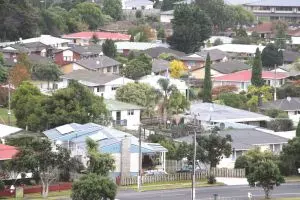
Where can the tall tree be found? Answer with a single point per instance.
(90, 13)
(48, 72)
(113, 8)
(212, 148)
(167, 89)
(271, 56)
(256, 78)
(109, 48)
(168, 5)
(266, 174)
(207, 86)
(137, 67)
(290, 157)
(18, 74)
(140, 94)
(177, 102)
(281, 28)
(188, 37)
(3, 71)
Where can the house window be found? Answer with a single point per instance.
(100, 89)
(114, 88)
(108, 69)
(130, 112)
(68, 58)
(115, 69)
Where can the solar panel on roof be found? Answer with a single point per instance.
(65, 129)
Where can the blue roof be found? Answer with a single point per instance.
(109, 139)
(285, 3)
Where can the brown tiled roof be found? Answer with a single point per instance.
(265, 27)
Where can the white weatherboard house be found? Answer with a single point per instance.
(123, 146)
(104, 85)
(210, 113)
(124, 114)
(290, 105)
(244, 140)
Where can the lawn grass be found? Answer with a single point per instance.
(169, 185)
(4, 117)
(38, 196)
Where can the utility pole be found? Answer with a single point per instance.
(194, 161)
(140, 160)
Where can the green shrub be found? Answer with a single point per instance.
(211, 179)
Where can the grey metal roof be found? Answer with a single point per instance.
(287, 104)
(156, 51)
(221, 113)
(215, 54)
(94, 77)
(290, 56)
(230, 66)
(285, 3)
(97, 63)
(244, 139)
(159, 65)
(33, 58)
(112, 105)
(87, 50)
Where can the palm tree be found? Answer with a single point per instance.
(167, 90)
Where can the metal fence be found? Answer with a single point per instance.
(217, 172)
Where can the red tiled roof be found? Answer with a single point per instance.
(7, 152)
(100, 35)
(263, 28)
(295, 32)
(245, 76)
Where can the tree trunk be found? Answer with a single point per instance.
(267, 193)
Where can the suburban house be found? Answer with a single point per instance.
(193, 61)
(291, 105)
(152, 80)
(160, 67)
(137, 4)
(126, 47)
(265, 30)
(102, 64)
(83, 38)
(7, 153)
(32, 58)
(216, 114)
(244, 140)
(223, 39)
(238, 51)
(48, 40)
(65, 56)
(123, 146)
(13, 51)
(155, 52)
(7, 131)
(242, 79)
(221, 68)
(166, 16)
(104, 85)
(275, 10)
(124, 114)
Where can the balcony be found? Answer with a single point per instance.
(120, 122)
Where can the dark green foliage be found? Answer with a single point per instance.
(298, 130)
(2, 185)
(234, 100)
(207, 86)
(242, 163)
(188, 37)
(18, 19)
(109, 48)
(46, 72)
(168, 5)
(94, 187)
(270, 56)
(212, 148)
(161, 34)
(290, 157)
(266, 174)
(275, 113)
(217, 42)
(256, 78)
(288, 90)
(242, 40)
(138, 14)
(113, 8)
(280, 125)
(138, 67)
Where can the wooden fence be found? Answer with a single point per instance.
(217, 172)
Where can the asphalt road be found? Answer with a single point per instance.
(206, 193)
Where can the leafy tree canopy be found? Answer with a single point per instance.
(188, 37)
(290, 157)
(177, 68)
(271, 56)
(109, 48)
(113, 8)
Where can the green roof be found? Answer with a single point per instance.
(118, 105)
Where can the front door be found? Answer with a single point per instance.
(118, 115)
